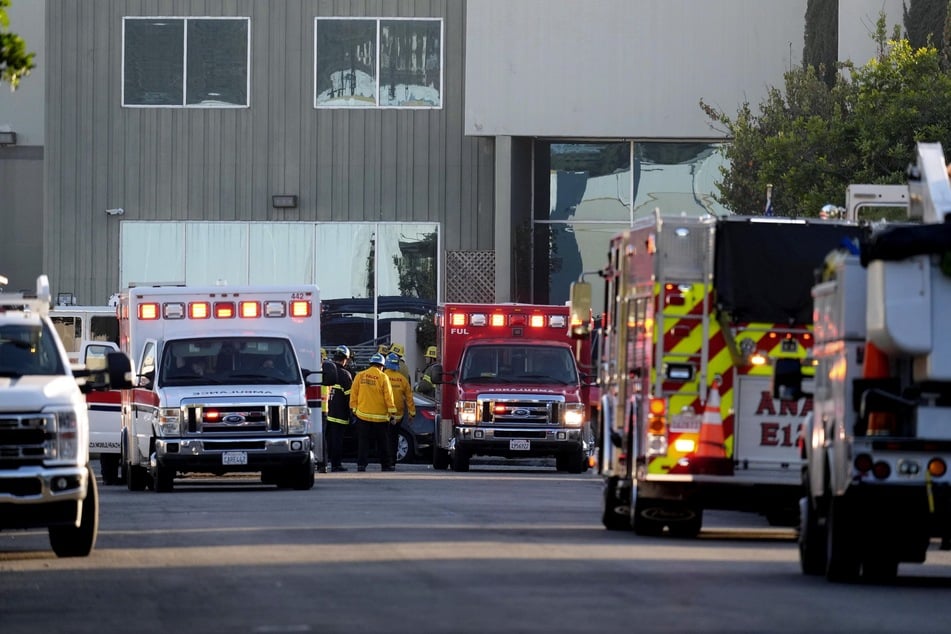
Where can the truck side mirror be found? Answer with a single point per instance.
(119, 370)
(579, 322)
(787, 380)
(436, 373)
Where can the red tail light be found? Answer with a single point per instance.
(428, 414)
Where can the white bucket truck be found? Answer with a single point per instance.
(223, 383)
(45, 477)
(878, 442)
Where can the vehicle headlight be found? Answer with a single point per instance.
(169, 422)
(574, 414)
(298, 419)
(466, 410)
(67, 434)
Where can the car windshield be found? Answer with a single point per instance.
(519, 364)
(28, 349)
(229, 361)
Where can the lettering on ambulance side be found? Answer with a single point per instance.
(458, 331)
(777, 434)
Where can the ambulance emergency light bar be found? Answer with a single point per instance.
(497, 320)
(244, 309)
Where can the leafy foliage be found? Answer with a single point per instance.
(810, 140)
(15, 62)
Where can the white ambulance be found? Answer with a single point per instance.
(228, 380)
(88, 333)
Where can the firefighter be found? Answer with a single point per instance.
(425, 385)
(402, 398)
(328, 371)
(371, 400)
(339, 411)
(401, 352)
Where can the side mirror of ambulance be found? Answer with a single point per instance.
(787, 380)
(115, 374)
(579, 324)
(436, 373)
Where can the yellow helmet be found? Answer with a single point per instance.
(430, 352)
(398, 349)
(382, 349)
(323, 354)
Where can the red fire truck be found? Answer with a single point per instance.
(510, 386)
(221, 383)
(695, 311)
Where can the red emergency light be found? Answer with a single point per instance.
(148, 311)
(211, 414)
(249, 310)
(497, 320)
(224, 310)
(300, 308)
(457, 319)
(537, 321)
(199, 310)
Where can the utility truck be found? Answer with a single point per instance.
(878, 442)
(510, 386)
(227, 381)
(45, 477)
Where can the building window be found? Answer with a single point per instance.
(186, 62)
(378, 63)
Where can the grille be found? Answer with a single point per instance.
(521, 412)
(26, 439)
(234, 420)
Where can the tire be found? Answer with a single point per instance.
(301, 477)
(576, 462)
(405, 450)
(880, 568)
(687, 528)
(136, 477)
(812, 540)
(642, 522)
(163, 480)
(440, 459)
(78, 541)
(460, 460)
(615, 513)
(109, 468)
(843, 559)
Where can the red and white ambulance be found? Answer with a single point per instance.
(510, 386)
(224, 383)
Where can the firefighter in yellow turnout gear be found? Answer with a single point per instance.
(402, 398)
(371, 400)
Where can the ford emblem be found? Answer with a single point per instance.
(233, 419)
(521, 412)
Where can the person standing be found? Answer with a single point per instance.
(425, 385)
(400, 353)
(338, 415)
(402, 398)
(371, 399)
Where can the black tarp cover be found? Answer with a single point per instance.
(764, 270)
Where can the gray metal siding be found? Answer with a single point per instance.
(225, 164)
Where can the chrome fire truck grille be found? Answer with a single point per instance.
(257, 418)
(521, 412)
(26, 439)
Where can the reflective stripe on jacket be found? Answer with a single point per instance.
(371, 396)
(402, 393)
(340, 397)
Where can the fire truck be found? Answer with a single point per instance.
(878, 442)
(695, 310)
(45, 477)
(88, 333)
(223, 383)
(510, 386)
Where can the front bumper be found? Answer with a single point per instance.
(198, 455)
(506, 441)
(38, 497)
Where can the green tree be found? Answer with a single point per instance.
(810, 140)
(15, 62)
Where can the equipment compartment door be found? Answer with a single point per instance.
(766, 431)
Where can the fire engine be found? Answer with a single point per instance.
(221, 383)
(45, 477)
(509, 386)
(88, 333)
(695, 309)
(878, 442)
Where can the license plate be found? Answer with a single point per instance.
(234, 457)
(520, 445)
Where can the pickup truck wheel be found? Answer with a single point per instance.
(880, 567)
(616, 514)
(842, 547)
(163, 479)
(301, 477)
(109, 468)
(576, 462)
(440, 459)
(812, 540)
(78, 541)
(460, 460)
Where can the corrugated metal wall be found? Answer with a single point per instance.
(225, 164)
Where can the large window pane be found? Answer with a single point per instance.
(151, 252)
(152, 60)
(281, 253)
(677, 177)
(218, 62)
(577, 248)
(345, 64)
(407, 260)
(344, 262)
(216, 252)
(410, 63)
